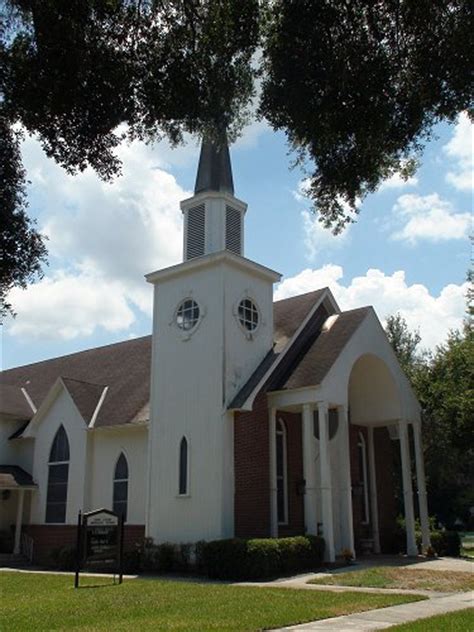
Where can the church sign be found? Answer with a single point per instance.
(99, 542)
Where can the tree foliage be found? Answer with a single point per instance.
(444, 384)
(355, 85)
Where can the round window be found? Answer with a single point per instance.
(187, 314)
(248, 314)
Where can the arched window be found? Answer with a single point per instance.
(120, 499)
(362, 475)
(56, 498)
(282, 472)
(183, 467)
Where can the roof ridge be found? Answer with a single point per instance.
(306, 294)
(74, 353)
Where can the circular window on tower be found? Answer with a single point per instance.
(248, 315)
(187, 314)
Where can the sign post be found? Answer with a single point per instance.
(99, 542)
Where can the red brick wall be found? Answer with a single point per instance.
(46, 538)
(296, 524)
(252, 471)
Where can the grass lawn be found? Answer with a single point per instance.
(467, 544)
(393, 577)
(49, 602)
(462, 621)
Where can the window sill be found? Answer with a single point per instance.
(183, 496)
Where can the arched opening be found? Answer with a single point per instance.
(58, 474)
(120, 494)
(374, 404)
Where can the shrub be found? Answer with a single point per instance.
(259, 558)
(64, 558)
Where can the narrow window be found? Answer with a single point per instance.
(183, 467)
(282, 477)
(120, 498)
(56, 498)
(363, 481)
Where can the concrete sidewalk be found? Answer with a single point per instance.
(394, 615)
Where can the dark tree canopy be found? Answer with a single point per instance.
(355, 85)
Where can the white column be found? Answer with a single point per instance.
(273, 474)
(407, 488)
(374, 511)
(421, 484)
(309, 471)
(326, 483)
(346, 478)
(19, 518)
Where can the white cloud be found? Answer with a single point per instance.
(67, 306)
(459, 149)
(397, 182)
(433, 315)
(317, 238)
(429, 218)
(103, 237)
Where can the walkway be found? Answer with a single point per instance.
(387, 617)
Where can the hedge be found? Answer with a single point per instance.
(261, 558)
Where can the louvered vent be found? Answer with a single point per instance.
(195, 237)
(233, 230)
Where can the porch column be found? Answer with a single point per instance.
(346, 487)
(273, 474)
(374, 511)
(407, 487)
(309, 471)
(421, 484)
(326, 482)
(19, 518)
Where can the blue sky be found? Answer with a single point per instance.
(409, 251)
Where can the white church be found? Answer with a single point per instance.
(238, 416)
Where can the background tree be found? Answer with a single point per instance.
(444, 384)
(356, 86)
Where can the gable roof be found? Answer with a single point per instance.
(13, 402)
(324, 351)
(124, 367)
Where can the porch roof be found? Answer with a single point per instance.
(15, 477)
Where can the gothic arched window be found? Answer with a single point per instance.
(58, 474)
(120, 499)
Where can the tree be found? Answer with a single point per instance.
(357, 86)
(444, 384)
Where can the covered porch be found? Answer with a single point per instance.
(341, 481)
(15, 484)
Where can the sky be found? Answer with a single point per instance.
(408, 252)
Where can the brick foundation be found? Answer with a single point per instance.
(46, 538)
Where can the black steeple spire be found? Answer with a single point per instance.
(214, 170)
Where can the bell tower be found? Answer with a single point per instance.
(212, 327)
(213, 217)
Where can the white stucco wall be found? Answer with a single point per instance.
(62, 411)
(193, 378)
(106, 445)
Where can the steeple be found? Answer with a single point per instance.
(214, 170)
(213, 217)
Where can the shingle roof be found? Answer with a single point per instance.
(123, 367)
(13, 402)
(12, 477)
(325, 350)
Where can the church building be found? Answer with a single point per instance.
(237, 417)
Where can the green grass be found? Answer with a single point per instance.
(461, 621)
(467, 544)
(49, 602)
(406, 578)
